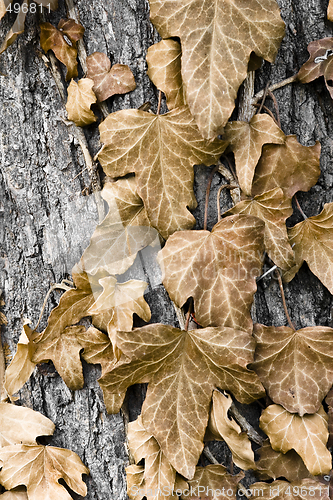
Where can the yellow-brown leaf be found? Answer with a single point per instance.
(330, 11)
(22, 366)
(274, 464)
(320, 62)
(208, 480)
(80, 98)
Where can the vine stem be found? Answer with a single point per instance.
(299, 207)
(273, 87)
(208, 454)
(159, 102)
(55, 286)
(290, 323)
(225, 186)
(189, 312)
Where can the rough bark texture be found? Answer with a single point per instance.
(46, 221)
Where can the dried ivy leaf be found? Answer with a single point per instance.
(182, 369)
(210, 479)
(80, 98)
(246, 141)
(18, 26)
(290, 166)
(217, 269)
(97, 349)
(216, 51)
(22, 425)
(300, 490)
(330, 11)
(312, 242)
(221, 427)
(135, 482)
(124, 231)
(320, 63)
(21, 367)
(164, 70)
(273, 464)
(306, 435)
(161, 150)
(273, 208)
(108, 81)
(17, 494)
(63, 42)
(39, 468)
(296, 368)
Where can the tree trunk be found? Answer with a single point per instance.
(46, 219)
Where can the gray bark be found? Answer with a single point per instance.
(46, 221)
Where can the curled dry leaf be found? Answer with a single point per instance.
(80, 98)
(246, 141)
(217, 269)
(182, 369)
(22, 425)
(312, 241)
(221, 427)
(296, 368)
(18, 26)
(306, 435)
(124, 231)
(39, 468)
(320, 63)
(299, 490)
(274, 464)
(273, 208)
(17, 494)
(21, 367)
(164, 70)
(63, 42)
(289, 166)
(210, 480)
(161, 150)
(216, 51)
(108, 81)
(330, 11)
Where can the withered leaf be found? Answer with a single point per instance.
(108, 81)
(64, 351)
(290, 166)
(80, 98)
(216, 51)
(18, 26)
(22, 425)
(39, 468)
(135, 482)
(273, 208)
(312, 241)
(161, 150)
(124, 231)
(296, 368)
(220, 426)
(164, 70)
(217, 269)
(63, 42)
(97, 348)
(274, 464)
(306, 435)
(246, 141)
(21, 366)
(182, 369)
(300, 490)
(17, 494)
(320, 63)
(209, 482)
(330, 11)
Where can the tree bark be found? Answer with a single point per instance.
(46, 220)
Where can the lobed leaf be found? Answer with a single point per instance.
(210, 480)
(307, 435)
(80, 98)
(97, 348)
(320, 63)
(161, 150)
(217, 269)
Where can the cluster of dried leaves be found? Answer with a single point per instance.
(149, 158)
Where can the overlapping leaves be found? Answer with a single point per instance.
(320, 63)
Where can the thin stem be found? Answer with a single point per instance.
(189, 312)
(265, 108)
(231, 168)
(245, 426)
(208, 454)
(55, 286)
(210, 179)
(159, 102)
(273, 87)
(225, 186)
(263, 98)
(299, 207)
(276, 106)
(267, 272)
(290, 323)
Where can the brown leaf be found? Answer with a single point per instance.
(217, 269)
(18, 26)
(246, 141)
(312, 242)
(164, 70)
(17, 494)
(273, 464)
(21, 367)
(80, 98)
(330, 10)
(135, 482)
(108, 81)
(320, 63)
(3, 7)
(273, 208)
(62, 41)
(290, 166)
(296, 368)
(209, 482)
(216, 52)
(182, 369)
(39, 468)
(161, 150)
(22, 425)
(97, 349)
(329, 402)
(124, 231)
(307, 435)
(298, 490)
(223, 428)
